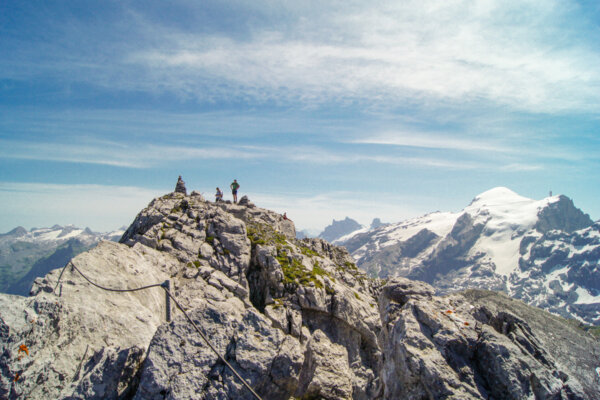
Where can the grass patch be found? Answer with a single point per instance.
(195, 264)
(264, 234)
(308, 252)
(296, 274)
(278, 303)
(351, 265)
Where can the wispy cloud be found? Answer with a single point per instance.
(524, 55)
(431, 141)
(456, 52)
(149, 156)
(521, 167)
(116, 154)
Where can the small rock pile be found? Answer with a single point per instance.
(180, 186)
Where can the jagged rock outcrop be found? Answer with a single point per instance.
(562, 215)
(295, 318)
(479, 345)
(337, 229)
(376, 223)
(82, 341)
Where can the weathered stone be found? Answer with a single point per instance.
(446, 348)
(325, 374)
(294, 318)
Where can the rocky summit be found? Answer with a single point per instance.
(295, 318)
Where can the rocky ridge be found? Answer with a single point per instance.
(296, 318)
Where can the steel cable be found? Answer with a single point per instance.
(163, 286)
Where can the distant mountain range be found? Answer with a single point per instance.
(26, 255)
(339, 230)
(545, 252)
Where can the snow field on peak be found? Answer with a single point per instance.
(350, 235)
(56, 234)
(507, 218)
(440, 223)
(585, 297)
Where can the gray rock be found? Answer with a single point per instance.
(83, 341)
(337, 229)
(296, 318)
(452, 348)
(181, 365)
(325, 374)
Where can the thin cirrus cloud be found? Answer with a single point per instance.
(116, 154)
(151, 156)
(431, 141)
(428, 53)
(388, 56)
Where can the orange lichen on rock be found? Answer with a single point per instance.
(23, 348)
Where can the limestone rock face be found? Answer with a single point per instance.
(295, 318)
(292, 288)
(80, 335)
(473, 345)
(180, 365)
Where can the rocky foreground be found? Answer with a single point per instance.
(296, 319)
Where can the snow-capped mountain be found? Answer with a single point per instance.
(25, 255)
(545, 252)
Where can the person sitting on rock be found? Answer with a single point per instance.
(219, 195)
(234, 188)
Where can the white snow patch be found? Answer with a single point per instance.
(585, 297)
(350, 235)
(440, 223)
(508, 217)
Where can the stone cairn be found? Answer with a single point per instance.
(180, 186)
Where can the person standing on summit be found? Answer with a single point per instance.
(234, 188)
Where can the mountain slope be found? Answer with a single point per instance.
(26, 255)
(295, 318)
(495, 243)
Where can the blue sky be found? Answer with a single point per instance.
(320, 109)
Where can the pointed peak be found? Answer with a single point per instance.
(18, 231)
